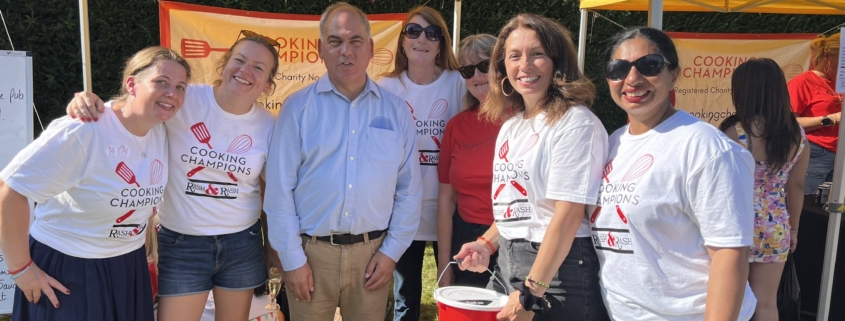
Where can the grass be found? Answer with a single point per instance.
(428, 306)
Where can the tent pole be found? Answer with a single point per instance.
(835, 208)
(86, 48)
(582, 40)
(655, 14)
(456, 28)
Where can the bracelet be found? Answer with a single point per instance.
(19, 274)
(492, 249)
(532, 281)
(18, 271)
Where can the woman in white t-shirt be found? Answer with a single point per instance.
(210, 236)
(424, 75)
(96, 188)
(547, 167)
(675, 218)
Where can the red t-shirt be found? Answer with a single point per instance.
(812, 96)
(466, 162)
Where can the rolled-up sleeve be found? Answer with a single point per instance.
(405, 219)
(283, 164)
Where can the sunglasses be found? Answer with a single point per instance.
(468, 71)
(648, 65)
(255, 35)
(432, 33)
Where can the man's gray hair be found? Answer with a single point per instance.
(343, 6)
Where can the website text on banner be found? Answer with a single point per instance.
(708, 60)
(203, 34)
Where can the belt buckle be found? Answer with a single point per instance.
(331, 239)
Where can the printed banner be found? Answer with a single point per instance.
(203, 34)
(708, 61)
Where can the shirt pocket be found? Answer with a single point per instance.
(383, 146)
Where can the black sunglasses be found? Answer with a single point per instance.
(432, 33)
(468, 71)
(648, 65)
(255, 35)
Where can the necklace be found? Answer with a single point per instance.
(823, 81)
(143, 150)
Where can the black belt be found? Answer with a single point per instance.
(344, 239)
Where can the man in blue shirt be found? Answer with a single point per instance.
(343, 187)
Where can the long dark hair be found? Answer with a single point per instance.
(761, 99)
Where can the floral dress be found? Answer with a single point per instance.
(771, 219)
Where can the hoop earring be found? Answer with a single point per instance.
(503, 88)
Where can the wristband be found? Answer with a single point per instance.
(532, 281)
(492, 249)
(19, 271)
(531, 302)
(19, 274)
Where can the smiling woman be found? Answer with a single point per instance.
(425, 76)
(97, 187)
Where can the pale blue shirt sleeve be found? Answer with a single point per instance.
(405, 219)
(283, 164)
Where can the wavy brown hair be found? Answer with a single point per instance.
(568, 88)
(446, 59)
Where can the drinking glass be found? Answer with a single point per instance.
(273, 286)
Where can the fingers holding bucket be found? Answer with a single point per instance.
(474, 257)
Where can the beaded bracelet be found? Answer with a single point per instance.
(532, 281)
(19, 274)
(18, 271)
(492, 249)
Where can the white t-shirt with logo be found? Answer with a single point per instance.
(536, 165)
(95, 190)
(432, 106)
(216, 162)
(665, 196)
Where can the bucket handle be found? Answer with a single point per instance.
(458, 262)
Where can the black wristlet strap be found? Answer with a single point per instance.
(531, 302)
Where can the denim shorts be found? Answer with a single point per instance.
(820, 169)
(190, 264)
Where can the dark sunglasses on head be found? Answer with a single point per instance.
(255, 35)
(468, 71)
(432, 33)
(648, 65)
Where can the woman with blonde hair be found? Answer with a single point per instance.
(211, 235)
(818, 108)
(547, 167)
(425, 75)
(464, 209)
(96, 188)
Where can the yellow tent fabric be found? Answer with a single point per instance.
(831, 7)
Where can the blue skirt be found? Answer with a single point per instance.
(116, 288)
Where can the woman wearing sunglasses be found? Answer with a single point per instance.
(675, 217)
(464, 209)
(210, 235)
(84, 258)
(765, 125)
(425, 75)
(547, 165)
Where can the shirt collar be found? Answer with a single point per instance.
(324, 84)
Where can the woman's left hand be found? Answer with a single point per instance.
(514, 311)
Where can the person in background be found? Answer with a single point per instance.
(765, 125)
(675, 217)
(424, 75)
(818, 108)
(96, 188)
(464, 209)
(345, 176)
(210, 237)
(547, 166)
